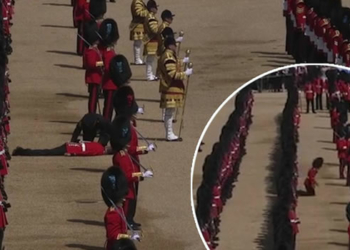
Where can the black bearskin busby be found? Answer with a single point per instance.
(97, 8)
(120, 132)
(114, 186)
(120, 71)
(109, 33)
(317, 163)
(124, 244)
(91, 32)
(124, 102)
(348, 211)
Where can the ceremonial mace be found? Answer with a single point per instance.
(190, 66)
(188, 52)
(181, 34)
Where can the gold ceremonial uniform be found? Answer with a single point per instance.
(139, 12)
(160, 38)
(151, 31)
(171, 80)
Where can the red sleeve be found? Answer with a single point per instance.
(134, 143)
(311, 175)
(114, 225)
(125, 163)
(91, 57)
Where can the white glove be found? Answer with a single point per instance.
(151, 147)
(179, 39)
(147, 174)
(141, 111)
(186, 60)
(188, 72)
(136, 236)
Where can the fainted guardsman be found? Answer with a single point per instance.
(139, 12)
(172, 88)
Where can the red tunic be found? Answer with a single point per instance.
(93, 73)
(300, 16)
(318, 86)
(293, 220)
(107, 83)
(78, 10)
(342, 147)
(123, 160)
(133, 148)
(84, 148)
(310, 181)
(309, 91)
(115, 225)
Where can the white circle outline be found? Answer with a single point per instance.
(219, 109)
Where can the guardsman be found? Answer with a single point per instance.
(167, 18)
(84, 18)
(139, 12)
(299, 38)
(93, 64)
(109, 36)
(171, 85)
(114, 188)
(310, 95)
(310, 182)
(150, 39)
(294, 221)
(319, 92)
(78, 12)
(120, 139)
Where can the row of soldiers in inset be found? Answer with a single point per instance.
(100, 37)
(317, 31)
(6, 13)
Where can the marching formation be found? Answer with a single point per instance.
(108, 74)
(221, 168)
(317, 31)
(6, 12)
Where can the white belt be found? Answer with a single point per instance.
(83, 146)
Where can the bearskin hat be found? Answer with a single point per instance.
(169, 41)
(91, 32)
(151, 4)
(120, 132)
(119, 69)
(124, 244)
(114, 186)
(166, 14)
(348, 211)
(167, 32)
(108, 31)
(97, 8)
(124, 101)
(317, 163)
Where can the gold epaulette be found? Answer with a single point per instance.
(336, 33)
(136, 174)
(141, 148)
(122, 152)
(99, 64)
(123, 236)
(300, 9)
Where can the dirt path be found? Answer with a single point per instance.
(323, 221)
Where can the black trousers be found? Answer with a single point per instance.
(319, 102)
(308, 102)
(94, 90)
(80, 42)
(108, 104)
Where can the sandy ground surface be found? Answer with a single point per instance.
(56, 201)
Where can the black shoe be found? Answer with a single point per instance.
(136, 224)
(135, 227)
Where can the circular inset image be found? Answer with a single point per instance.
(271, 168)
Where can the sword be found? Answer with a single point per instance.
(188, 52)
(143, 138)
(190, 66)
(138, 163)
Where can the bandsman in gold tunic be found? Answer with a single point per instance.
(172, 86)
(139, 12)
(150, 39)
(167, 19)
